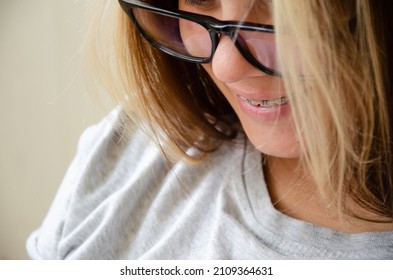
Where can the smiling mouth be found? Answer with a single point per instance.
(266, 103)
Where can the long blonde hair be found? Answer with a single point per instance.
(343, 46)
(347, 142)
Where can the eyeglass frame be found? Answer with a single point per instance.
(214, 27)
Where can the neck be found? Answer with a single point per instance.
(293, 193)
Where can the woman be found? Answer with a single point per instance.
(272, 131)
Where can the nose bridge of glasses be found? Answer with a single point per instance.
(223, 28)
(220, 29)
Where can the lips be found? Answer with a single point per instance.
(263, 107)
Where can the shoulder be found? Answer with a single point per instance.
(107, 154)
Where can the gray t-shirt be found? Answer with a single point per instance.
(120, 199)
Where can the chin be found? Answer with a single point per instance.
(275, 142)
(276, 152)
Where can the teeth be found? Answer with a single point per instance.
(266, 103)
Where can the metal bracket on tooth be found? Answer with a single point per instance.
(267, 103)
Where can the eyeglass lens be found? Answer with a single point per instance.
(181, 36)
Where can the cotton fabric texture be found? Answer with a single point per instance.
(120, 199)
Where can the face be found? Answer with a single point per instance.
(258, 99)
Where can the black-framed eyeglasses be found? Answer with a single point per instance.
(194, 37)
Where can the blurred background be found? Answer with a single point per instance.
(44, 107)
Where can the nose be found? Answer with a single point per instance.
(228, 63)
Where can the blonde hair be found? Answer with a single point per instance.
(347, 145)
(347, 141)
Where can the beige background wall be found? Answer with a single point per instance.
(43, 109)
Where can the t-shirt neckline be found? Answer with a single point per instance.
(290, 229)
